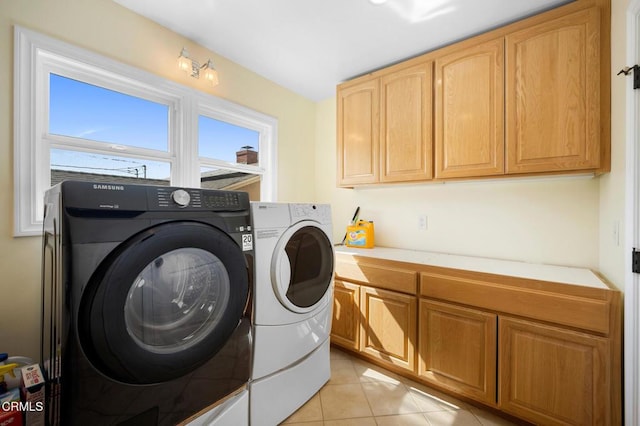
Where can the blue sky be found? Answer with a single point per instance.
(85, 111)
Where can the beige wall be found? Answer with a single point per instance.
(559, 221)
(552, 220)
(612, 185)
(107, 28)
(567, 221)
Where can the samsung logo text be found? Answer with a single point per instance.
(108, 187)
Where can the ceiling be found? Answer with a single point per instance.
(309, 46)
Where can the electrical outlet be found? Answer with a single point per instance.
(422, 222)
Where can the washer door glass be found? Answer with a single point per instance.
(303, 274)
(163, 303)
(177, 300)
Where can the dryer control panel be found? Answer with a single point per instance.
(318, 212)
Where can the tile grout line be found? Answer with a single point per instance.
(367, 398)
(363, 391)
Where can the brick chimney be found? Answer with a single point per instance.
(247, 156)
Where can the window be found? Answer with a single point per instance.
(81, 116)
(229, 151)
(86, 123)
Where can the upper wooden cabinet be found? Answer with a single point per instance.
(469, 111)
(531, 97)
(405, 124)
(553, 95)
(358, 130)
(385, 128)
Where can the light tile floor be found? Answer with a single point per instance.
(362, 394)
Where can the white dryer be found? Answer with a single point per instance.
(293, 276)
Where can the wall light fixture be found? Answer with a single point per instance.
(193, 67)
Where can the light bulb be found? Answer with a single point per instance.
(210, 73)
(184, 63)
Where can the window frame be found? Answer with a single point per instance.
(222, 110)
(36, 56)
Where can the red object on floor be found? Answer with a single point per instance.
(10, 418)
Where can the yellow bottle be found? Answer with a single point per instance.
(7, 377)
(360, 235)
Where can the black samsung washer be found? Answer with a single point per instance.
(145, 299)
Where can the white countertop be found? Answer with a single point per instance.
(558, 274)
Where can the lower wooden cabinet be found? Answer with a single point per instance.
(389, 326)
(553, 376)
(457, 348)
(345, 327)
(487, 337)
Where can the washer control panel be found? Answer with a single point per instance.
(181, 197)
(193, 198)
(87, 196)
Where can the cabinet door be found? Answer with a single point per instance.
(358, 132)
(458, 349)
(553, 95)
(469, 123)
(346, 315)
(405, 124)
(388, 331)
(553, 376)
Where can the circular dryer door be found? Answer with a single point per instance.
(302, 267)
(163, 303)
